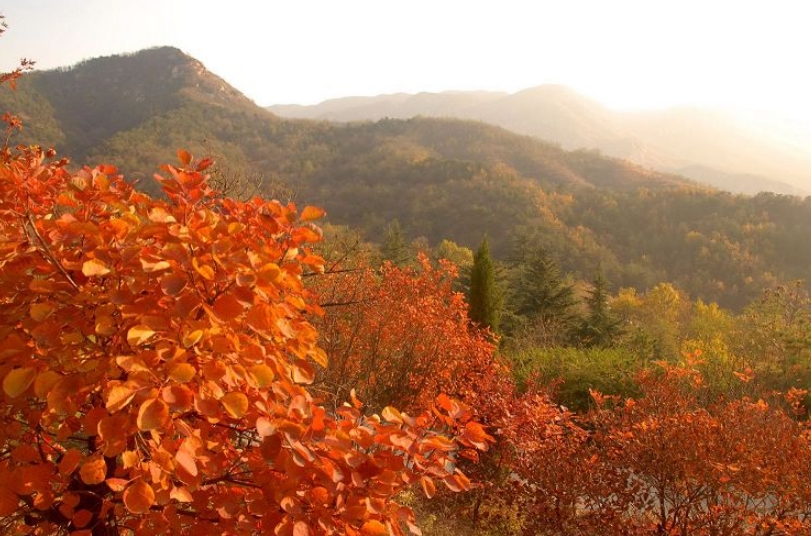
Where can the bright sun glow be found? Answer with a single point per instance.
(628, 54)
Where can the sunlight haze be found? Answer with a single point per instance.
(628, 55)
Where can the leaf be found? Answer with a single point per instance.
(116, 484)
(300, 528)
(118, 395)
(17, 381)
(206, 271)
(182, 372)
(95, 267)
(192, 338)
(45, 381)
(139, 497)
(311, 213)
(262, 375)
(392, 415)
(235, 403)
(41, 311)
(9, 501)
(173, 284)
(153, 414)
(137, 335)
(373, 527)
(184, 157)
(93, 471)
(428, 486)
(70, 460)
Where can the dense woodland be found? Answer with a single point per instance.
(487, 335)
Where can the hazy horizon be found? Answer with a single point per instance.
(628, 55)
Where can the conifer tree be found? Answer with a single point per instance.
(599, 327)
(394, 247)
(484, 300)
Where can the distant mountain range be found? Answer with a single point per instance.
(442, 178)
(706, 146)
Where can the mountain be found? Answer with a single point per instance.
(441, 178)
(679, 140)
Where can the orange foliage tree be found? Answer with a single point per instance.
(400, 335)
(156, 358)
(666, 463)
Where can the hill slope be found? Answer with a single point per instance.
(677, 140)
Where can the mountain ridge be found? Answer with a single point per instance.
(667, 140)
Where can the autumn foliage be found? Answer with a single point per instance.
(155, 358)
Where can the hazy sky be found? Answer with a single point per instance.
(627, 54)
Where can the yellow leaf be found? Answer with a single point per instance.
(182, 372)
(206, 271)
(236, 404)
(18, 380)
(262, 375)
(95, 267)
(153, 414)
(138, 498)
(311, 213)
(192, 338)
(320, 357)
(93, 471)
(139, 334)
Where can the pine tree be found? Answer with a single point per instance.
(542, 303)
(484, 300)
(394, 247)
(599, 327)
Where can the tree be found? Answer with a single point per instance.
(394, 247)
(541, 299)
(600, 326)
(156, 358)
(484, 301)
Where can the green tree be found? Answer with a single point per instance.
(484, 300)
(600, 326)
(542, 301)
(394, 247)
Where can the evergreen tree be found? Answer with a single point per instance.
(484, 301)
(395, 248)
(542, 302)
(599, 327)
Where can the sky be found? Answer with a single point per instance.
(749, 56)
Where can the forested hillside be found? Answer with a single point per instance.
(440, 178)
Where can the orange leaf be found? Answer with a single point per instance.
(235, 403)
(118, 395)
(69, 462)
(95, 267)
(138, 498)
(184, 157)
(40, 311)
(374, 527)
(93, 471)
(116, 484)
(182, 372)
(45, 381)
(428, 486)
(17, 381)
(81, 518)
(153, 414)
(311, 213)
